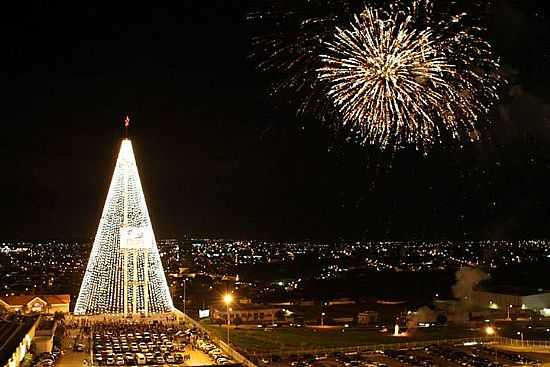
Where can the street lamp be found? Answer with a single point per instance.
(322, 318)
(489, 330)
(509, 307)
(521, 334)
(227, 299)
(184, 295)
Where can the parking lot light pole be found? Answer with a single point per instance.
(521, 335)
(91, 345)
(227, 299)
(184, 298)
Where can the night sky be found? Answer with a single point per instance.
(219, 157)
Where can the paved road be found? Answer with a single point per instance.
(198, 358)
(71, 359)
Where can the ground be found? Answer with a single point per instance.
(295, 339)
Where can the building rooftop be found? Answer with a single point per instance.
(510, 290)
(46, 325)
(11, 335)
(245, 307)
(25, 299)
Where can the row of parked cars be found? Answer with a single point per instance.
(47, 359)
(348, 359)
(406, 358)
(141, 359)
(213, 352)
(502, 354)
(135, 349)
(456, 355)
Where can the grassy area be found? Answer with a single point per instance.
(287, 339)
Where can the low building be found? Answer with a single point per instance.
(43, 338)
(341, 301)
(248, 314)
(16, 337)
(367, 317)
(500, 298)
(43, 304)
(454, 311)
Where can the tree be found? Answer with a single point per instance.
(280, 315)
(237, 321)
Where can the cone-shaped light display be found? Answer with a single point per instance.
(124, 273)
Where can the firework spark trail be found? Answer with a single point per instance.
(387, 75)
(396, 83)
(292, 46)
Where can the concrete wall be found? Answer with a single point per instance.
(497, 301)
(537, 301)
(43, 344)
(501, 301)
(252, 315)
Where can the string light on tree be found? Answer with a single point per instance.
(124, 273)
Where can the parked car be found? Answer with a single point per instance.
(140, 358)
(178, 357)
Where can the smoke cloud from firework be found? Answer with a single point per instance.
(423, 314)
(466, 279)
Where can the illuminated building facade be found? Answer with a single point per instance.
(124, 273)
(48, 303)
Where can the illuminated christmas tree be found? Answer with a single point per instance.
(124, 273)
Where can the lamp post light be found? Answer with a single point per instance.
(509, 308)
(322, 318)
(227, 299)
(521, 335)
(184, 295)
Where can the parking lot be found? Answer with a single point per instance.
(444, 355)
(137, 342)
(154, 346)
